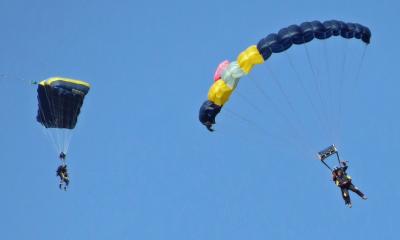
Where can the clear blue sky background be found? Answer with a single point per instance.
(142, 167)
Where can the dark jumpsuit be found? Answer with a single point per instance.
(63, 174)
(345, 184)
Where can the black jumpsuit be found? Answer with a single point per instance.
(63, 174)
(345, 184)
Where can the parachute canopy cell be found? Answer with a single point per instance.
(60, 100)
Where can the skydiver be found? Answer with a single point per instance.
(62, 156)
(62, 172)
(342, 180)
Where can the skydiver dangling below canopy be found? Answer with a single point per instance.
(339, 175)
(62, 172)
(343, 180)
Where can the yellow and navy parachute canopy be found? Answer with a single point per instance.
(60, 100)
(229, 74)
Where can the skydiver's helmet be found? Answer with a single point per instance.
(338, 171)
(335, 170)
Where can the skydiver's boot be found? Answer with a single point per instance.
(364, 197)
(349, 205)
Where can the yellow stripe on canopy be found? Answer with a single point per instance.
(219, 93)
(49, 81)
(248, 58)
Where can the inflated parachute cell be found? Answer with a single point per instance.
(307, 31)
(60, 100)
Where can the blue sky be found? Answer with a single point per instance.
(142, 167)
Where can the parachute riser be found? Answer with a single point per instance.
(326, 153)
(338, 158)
(326, 165)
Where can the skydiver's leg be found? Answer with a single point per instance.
(356, 190)
(346, 196)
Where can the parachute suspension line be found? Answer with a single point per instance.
(318, 84)
(295, 135)
(68, 136)
(343, 65)
(50, 136)
(291, 106)
(260, 128)
(341, 83)
(63, 132)
(238, 136)
(69, 133)
(49, 132)
(270, 101)
(316, 78)
(356, 80)
(56, 131)
(330, 101)
(277, 82)
(248, 121)
(329, 78)
(300, 81)
(247, 101)
(60, 132)
(45, 130)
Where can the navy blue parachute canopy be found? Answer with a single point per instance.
(307, 31)
(60, 100)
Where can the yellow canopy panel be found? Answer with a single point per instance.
(219, 92)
